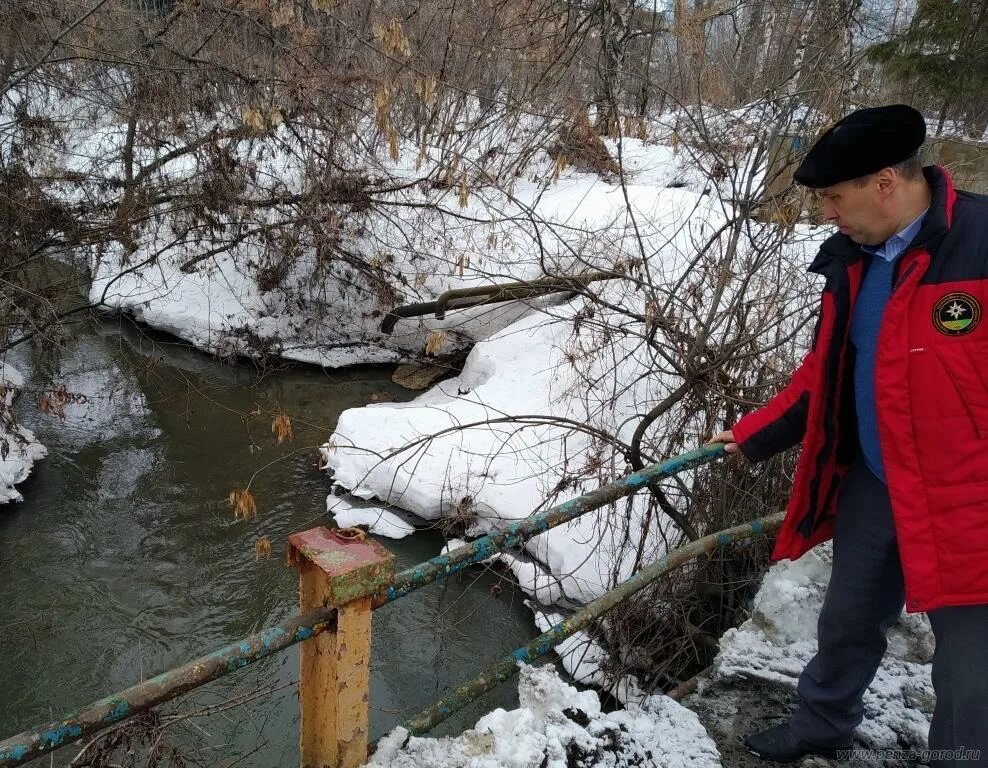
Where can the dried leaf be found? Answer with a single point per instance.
(382, 108)
(253, 118)
(451, 171)
(282, 15)
(434, 342)
(55, 402)
(393, 144)
(243, 503)
(392, 38)
(262, 548)
(651, 315)
(559, 167)
(282, 428)
(425, 89)
(787, 214)
(464, 190)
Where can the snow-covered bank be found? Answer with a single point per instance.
(520, 428)
(556, 726)
(19, 448)
(381, 522)
(259, 249)
(416, 243)
(750, 686)
(754, 676)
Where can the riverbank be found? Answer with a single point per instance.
(419, 240)
(750, 686)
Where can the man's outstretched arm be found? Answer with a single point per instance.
(780, 423)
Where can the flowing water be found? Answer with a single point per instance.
(126, 560)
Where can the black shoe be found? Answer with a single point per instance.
(783, 746)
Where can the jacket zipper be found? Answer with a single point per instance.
(902, 278)
(898, 284)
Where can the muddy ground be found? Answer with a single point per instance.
(730, 712)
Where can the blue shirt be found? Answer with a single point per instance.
(874, 295)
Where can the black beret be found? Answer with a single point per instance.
(865, 141)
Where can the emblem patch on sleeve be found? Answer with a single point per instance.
(956, 314)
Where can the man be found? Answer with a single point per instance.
(891, 407)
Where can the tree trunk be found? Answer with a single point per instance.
(747, 78)
(943, 115)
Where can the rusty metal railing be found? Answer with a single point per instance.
(342, 589)
(141, 697)
(507, 666)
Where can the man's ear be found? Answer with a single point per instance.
(886, 179)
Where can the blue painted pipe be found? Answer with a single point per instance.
(517, 533)
(38, 741)
(95, 717)
(507, 666)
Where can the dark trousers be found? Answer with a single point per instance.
(864, 598)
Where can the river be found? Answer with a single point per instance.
(125, 558)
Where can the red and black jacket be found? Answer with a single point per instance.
(931, 380)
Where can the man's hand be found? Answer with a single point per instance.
(725, 437)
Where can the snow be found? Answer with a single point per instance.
(582, 657)
(778, 640)
(484, 476)
(381, 522)
(19, 448)
(535, 578)
(514, 431)
(556, 726)
(205, 283)
(519, 429)
(418, 241)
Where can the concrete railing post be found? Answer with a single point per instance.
(334, 566)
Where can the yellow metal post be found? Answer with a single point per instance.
(335, 566)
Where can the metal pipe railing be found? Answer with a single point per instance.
(38, 741)
(517, 533)
(507, 666)
(96, 716)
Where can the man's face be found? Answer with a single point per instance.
(857, 209)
